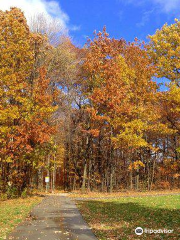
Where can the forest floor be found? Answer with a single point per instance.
(117, 219)
(14, 211)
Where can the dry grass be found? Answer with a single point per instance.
(80, 194)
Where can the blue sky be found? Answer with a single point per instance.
(127, 19)
(123, 18)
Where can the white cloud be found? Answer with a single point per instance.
(136, 2)
(75, 28)
(168, 5)
(145, 18)
(51, 9)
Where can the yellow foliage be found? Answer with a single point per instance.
(136, 165)
(165, 50)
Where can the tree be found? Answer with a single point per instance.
(121, 94)
(16, 61)
(164, 49)
(26, 101)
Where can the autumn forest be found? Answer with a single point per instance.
(93, 118)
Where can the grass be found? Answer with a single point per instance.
(12, 212)
(125, 193)
(117, 219)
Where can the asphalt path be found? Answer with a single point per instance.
(55, 218)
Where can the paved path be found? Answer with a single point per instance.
(56, 218)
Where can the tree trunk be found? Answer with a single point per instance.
(131, 180)
(153, 171)
(84, 177)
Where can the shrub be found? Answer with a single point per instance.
(3, 196)
(24, 193)
(12, 192)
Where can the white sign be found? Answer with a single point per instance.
(46, 179)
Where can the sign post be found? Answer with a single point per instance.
(47, 183)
